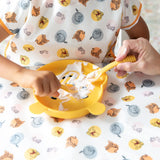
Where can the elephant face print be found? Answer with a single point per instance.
(115, 4)
(112, 88)
(116, 128)
(61, 36)
(148, 83)
(95, 52)
(17, 138)
(25, 4)
(133, 110)
(35, 11)
(77, 17)
(79, 35)
(22, 95)
(89, 152)
(10, 17)
(97, 35)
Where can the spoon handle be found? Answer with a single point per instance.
(115, 63)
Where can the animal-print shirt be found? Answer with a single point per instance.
(50, 30)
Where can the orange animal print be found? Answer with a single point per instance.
(145, 157)
(115, 4)
(83, 2)
(7, 156)
(72, 141)
(16, 123)
(2, 109)
(10, 17)
(58, 120)
(35, 11)
(130, 86)
(153, 108)
(79, 35)
(41, 40)
(95, 52)
(113, 112)
(13, 47)
(112, 147)
(13, 84)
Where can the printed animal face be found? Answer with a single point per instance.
(95, 52)
(35, 11)
(11, 17)
(115, 4)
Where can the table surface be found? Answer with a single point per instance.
(129, 129)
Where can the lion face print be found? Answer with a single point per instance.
(79, 35)
(35, 11)
(95, 52)
(11, 17)
(115, 4)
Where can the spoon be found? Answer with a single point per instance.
(93, 76)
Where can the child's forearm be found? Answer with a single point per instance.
(9, 69)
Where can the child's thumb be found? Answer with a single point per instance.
(128, 66)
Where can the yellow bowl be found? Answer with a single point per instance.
(73, 108)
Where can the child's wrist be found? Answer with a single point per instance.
(19, 74)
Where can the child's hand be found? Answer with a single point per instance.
(45, 83)
(148, 59)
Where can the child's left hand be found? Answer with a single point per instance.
(44, 83)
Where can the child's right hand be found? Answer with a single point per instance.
(44, 83)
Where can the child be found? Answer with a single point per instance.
(47, 30)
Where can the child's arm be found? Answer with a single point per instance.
(45, 83)
(139, 30)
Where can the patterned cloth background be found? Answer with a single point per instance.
(128, 130)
